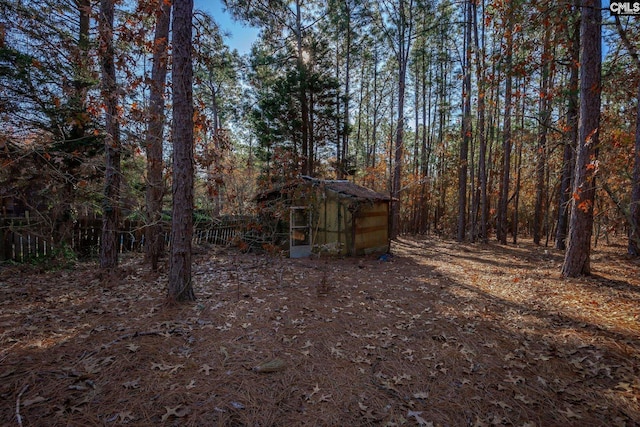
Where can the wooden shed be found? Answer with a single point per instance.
(337, 216)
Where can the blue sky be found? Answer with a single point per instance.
(240, 36)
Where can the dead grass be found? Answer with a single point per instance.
(443, 334)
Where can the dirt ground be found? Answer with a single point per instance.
(440, 334)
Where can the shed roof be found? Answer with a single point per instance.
(349, 189)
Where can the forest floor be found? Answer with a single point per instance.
(441, 334)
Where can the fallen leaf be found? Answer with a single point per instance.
(132, 384)
(624, 386)
(132, 347)
(172, 369)
(177, 411)
(421, 421)
(274, 365)
(315, 390)
(570, 414)
(522, 398)
(33, 401)
(192, 384)
(500, 404)
(125, 417)
(237, 405)
(206, 369)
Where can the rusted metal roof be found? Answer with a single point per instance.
(349, 189)
(341, 187)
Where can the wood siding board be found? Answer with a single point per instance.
(370, 229)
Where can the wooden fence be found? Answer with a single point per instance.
(22, 240)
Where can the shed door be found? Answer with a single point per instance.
(299, 232)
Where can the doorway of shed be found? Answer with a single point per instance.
(299, 232)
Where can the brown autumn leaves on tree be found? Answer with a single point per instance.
(492, 324)
(517, 99)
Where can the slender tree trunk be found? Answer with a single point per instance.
(404, 47)
(215, 172)
(374, 126)
(111, 202)
(634, 229)
(577, 257)
(339, 169)
(545, 116)
(312, 146)
(466, 128)
(154, 138)
(304, 106)
(571, 139)
(506, 138)
(482, 150)
(415, 203)
(516, 197)
(180, 284)
(347, 95)
(425, 148)
(442, 119)
(360, 105)
(79, 98)
(633, 247)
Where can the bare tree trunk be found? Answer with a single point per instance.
(425, 149)
(374, 126)
(154, 137)
(482, 154)
(577, 257)
(634, 231)
(545, 116)
(180, 285)
(111, 202)
(506, 138)
(571, 139)
(404, 46)
(466, 129)
(516, 196)
(79, 98)
(304, 106)
(633, 247)
(347, 95)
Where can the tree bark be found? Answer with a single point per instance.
(83, 67)
(180, 284)
(111, 201)
(154, 137)
(633, 247)
(405, 25)
(304, 106)
(571, 139)
(577, 257)
(466, 129)
(506, 138)
(347, 71)
(545, 116)
(634, 232)
(482, 154)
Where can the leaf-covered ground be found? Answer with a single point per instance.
(441, 334)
